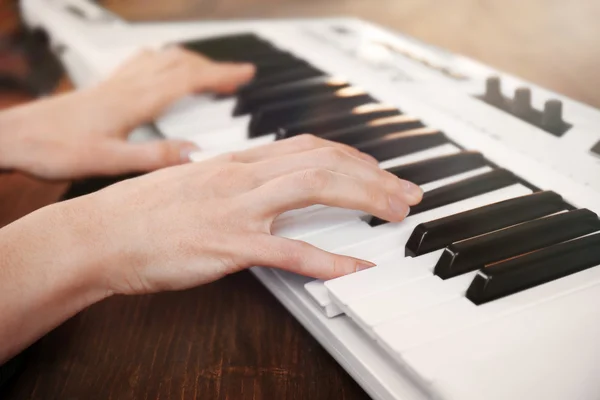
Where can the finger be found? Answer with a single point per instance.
(320, 186)
(293, 145)
(197, 77)
(224, 78)
(123, 157)
(337, 160)
(300, 258)
(195, 73)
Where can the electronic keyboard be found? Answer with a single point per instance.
(489, 288)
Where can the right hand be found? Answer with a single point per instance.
(188, 225)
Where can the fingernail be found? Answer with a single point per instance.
(186, 151)
(362, 265)
(398, 206)
(413, 193)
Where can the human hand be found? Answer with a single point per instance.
(85, 132)
(188, 225)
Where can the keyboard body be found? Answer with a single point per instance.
(556, 360)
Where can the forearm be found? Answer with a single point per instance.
(47, 275)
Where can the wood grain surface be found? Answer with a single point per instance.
(232, 339)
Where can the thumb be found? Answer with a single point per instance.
(301, 258)
(149, 156)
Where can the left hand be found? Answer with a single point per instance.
(84, 133)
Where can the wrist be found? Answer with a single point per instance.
(52, 246)
(47, 275)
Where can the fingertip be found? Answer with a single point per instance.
(186, 151)
(361, 265)
(413, 193)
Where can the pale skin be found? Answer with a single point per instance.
(179, 227)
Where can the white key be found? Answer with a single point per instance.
(461, 314)
(565, 313)
(384, 276)
(250, 143)
(445, 181)
(407, 297)
(438, 151)
(365, 241)
(236, 134)
(355, 233)
(213, 113)
(548, 352)
(331, 218)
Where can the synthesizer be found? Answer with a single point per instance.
(489, 288)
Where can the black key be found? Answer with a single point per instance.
(279, 78)
(533, 269)
(373, 129)
(439, 233)
(260, 55)
(231, 44)
(402, 143)
(433, 169)
(271, 67)
(358, 115)
(461, 190)
(294, 90)
(472, 254)
(272, 118)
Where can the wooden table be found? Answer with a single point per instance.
(232, 339)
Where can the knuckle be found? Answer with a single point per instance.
(314, 180)
(333, 154)
(377, 199)
(307, 141)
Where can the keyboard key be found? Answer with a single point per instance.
(530, 344)
(472, 254)
(250, 103)
(440, 167)
(462, 315)
(374, 129)
(358, 115)
(437, 234)
(221, 46)
(297, 74)
(461, 190)
(554, 262)
(270, 119)
(402, 143)
(269, 67)
(368, 243)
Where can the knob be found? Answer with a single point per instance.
(521, 106)
(493, 94)
(552, 116)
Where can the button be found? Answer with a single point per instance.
(437, 234)
(472, 254)
(596, 149)
(533, 269)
